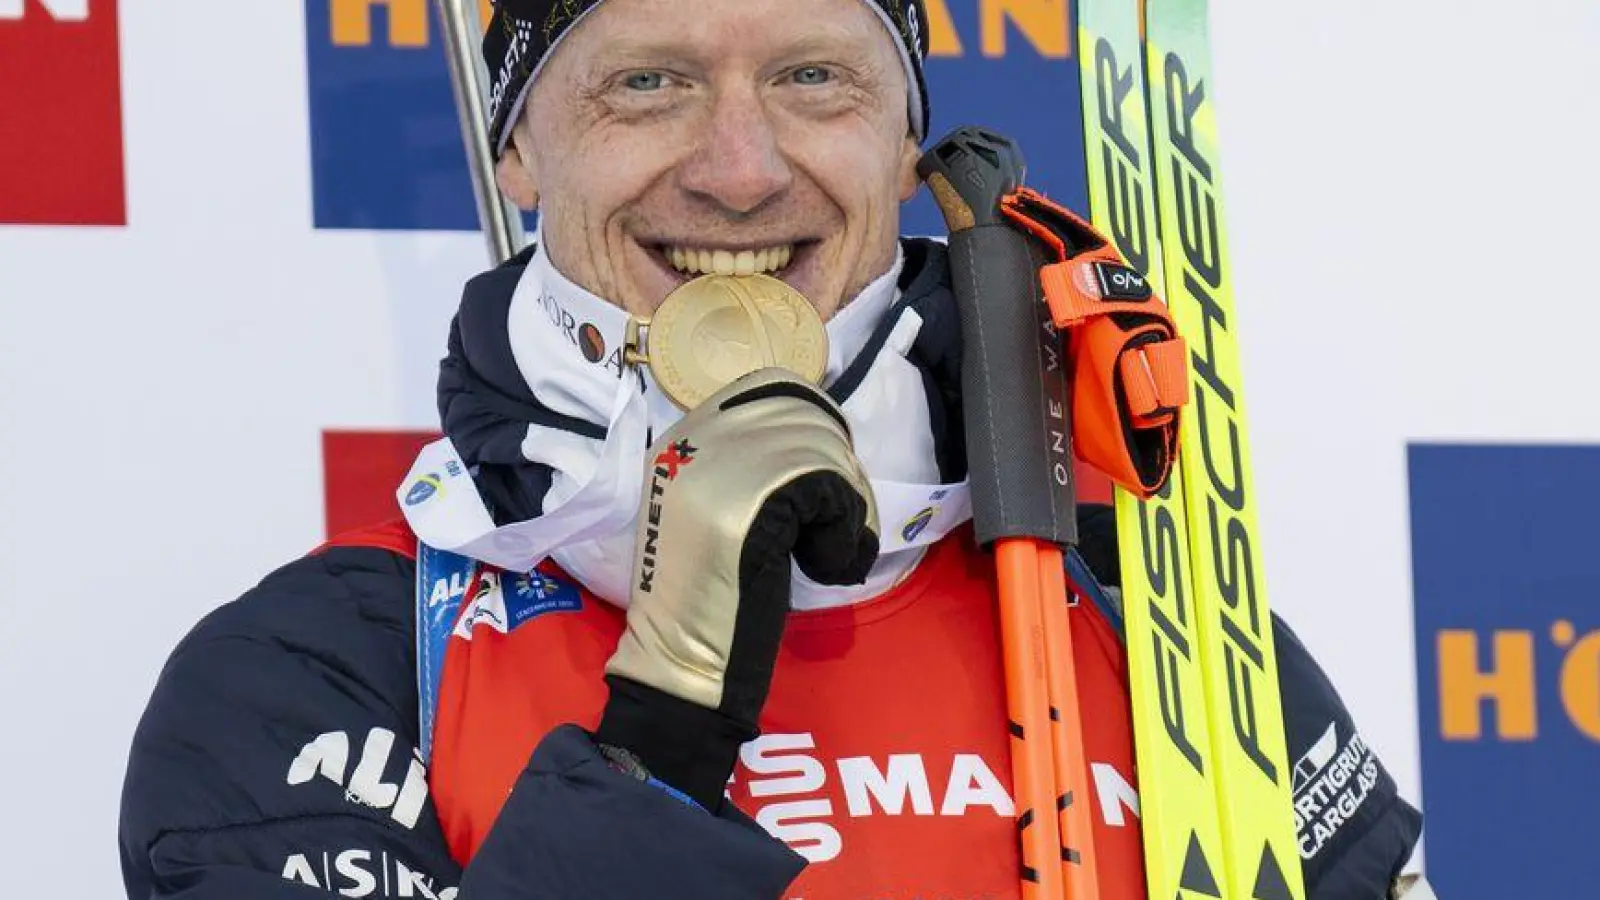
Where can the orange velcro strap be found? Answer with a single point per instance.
(1130, 375)
(1156, 379)
(1075, 292)
(1068, 307)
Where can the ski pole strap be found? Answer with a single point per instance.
(1130, 371)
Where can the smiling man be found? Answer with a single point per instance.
(654, 626)
(658, 145)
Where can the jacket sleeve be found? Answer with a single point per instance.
(276, 760)
(1354, 829)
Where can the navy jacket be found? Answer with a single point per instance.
(277, 758)
(324, 647)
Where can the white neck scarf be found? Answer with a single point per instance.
(567, 344)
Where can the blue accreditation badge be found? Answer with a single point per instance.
(442, 580)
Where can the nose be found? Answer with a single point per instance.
(737, 164)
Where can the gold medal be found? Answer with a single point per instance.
(718, 328)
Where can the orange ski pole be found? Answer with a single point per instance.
(1071, 762)
(1017, 424)
(1033, 776)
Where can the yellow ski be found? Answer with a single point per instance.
(1251, 773)
(1172, 741)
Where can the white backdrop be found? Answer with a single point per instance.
(1389, 168)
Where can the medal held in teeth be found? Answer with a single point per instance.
(718, 328)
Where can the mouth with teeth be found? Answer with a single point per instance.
(673, 262)
(693, 261)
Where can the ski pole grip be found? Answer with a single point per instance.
(1013, 364)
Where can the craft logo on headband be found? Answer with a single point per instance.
(61, 105)
(386, 142)
(1508, 659)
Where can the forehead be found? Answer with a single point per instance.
(624, 30)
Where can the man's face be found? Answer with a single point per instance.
(666, 138)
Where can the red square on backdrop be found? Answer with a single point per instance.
(60, 114)
(361, 471)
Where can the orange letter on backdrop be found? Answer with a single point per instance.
(1043, 22)
(1508, 685)
(1580, 685)
(352, 22)
(942, 37)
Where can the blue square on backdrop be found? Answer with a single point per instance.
(1508, 655)
(386, 148)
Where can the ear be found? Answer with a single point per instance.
(910, 153)
(514, 173)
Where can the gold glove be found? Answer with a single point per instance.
(760, 471)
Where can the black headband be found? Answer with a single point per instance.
(523, 32)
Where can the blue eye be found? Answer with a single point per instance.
(812, 75)
(646, 81)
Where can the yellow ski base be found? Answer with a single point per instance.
(1172, 741)
(1252, 776)
(1208, 720)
